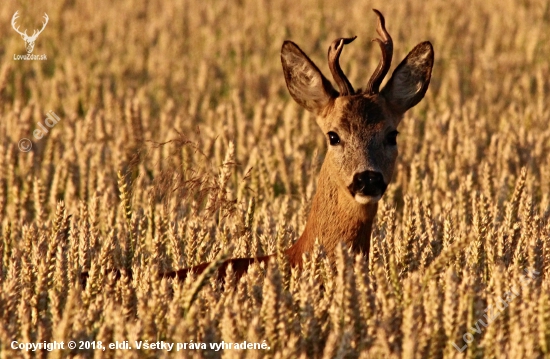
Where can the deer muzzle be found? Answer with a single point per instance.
(367, 186)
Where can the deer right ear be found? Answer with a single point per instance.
(304, 80)
(410, 80)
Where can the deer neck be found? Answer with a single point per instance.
(334, 217)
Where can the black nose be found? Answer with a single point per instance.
(368, 183)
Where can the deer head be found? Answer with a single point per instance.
(360, 127)
(29, 40)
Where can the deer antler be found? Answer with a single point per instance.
(35, 33)
(386, 45)
(334, 52)
(14, 17)
(24, 34)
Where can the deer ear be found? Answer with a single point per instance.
(304, 80)
(409, 81)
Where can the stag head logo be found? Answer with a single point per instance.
(29, 40)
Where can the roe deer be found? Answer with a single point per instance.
(361, 130)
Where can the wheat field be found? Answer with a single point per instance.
(178, 143)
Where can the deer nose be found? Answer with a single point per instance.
(368, 183)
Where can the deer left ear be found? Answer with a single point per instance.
(410, 80)
(305, 82)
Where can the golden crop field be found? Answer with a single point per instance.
(177, 142)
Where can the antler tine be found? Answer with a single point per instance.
(14, 17)
(46, 22)
(386, 45)
(43, 24)
(334, 52)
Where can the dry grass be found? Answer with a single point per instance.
(178, 142)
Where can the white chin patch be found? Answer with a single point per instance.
(366, 199)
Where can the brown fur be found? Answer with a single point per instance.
(363, 122)
(335, 216)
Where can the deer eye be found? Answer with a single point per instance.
(391, 138)
(333, 138)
